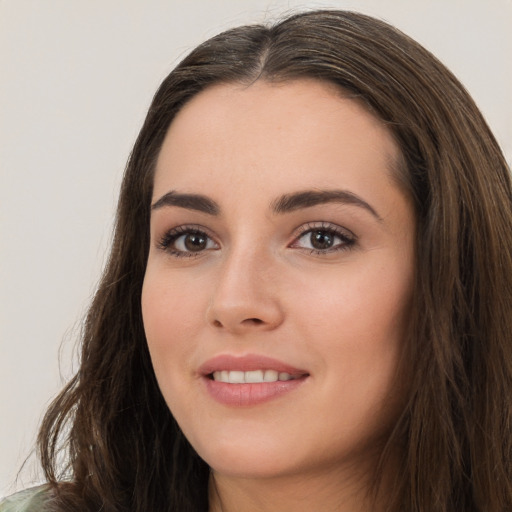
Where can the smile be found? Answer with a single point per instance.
(249, 380)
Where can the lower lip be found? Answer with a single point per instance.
(243, 395)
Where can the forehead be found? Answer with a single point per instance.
(303, 131)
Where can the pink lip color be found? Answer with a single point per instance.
(240, 395)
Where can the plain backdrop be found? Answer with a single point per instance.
(76, 77)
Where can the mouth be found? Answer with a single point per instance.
(249, 380)
(251, 377)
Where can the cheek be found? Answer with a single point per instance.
(168, 323)
(357, 319)
(359, 302)
(169, 305)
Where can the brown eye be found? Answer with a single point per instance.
(194, 242)
(321, 239)
(324, 240)
(185, 241)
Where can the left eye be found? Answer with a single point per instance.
(193, 242)
(323, 240)
(186, 242)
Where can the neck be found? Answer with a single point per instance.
(333, 490)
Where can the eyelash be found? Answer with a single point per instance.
(348, 239)
(167, 242)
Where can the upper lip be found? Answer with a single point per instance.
(248, 363)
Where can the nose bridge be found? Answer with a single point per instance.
(245, 295)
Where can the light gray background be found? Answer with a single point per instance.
(76, 79)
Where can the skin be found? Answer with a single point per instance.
(257, 287)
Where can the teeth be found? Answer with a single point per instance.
(270, 376)
(254, 377)
(236, 377)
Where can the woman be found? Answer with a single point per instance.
(307, 303)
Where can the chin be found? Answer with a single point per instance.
(243, 459)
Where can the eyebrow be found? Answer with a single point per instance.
(284, 204)
(196, 202)
(308, 198)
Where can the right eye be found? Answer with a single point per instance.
(186, 242)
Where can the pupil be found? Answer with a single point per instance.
(321, 240)
(195, 242)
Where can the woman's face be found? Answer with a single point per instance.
(279, 278)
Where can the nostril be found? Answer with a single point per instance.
(247, 321)
(255, 321)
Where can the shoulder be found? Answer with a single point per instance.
(29, 500)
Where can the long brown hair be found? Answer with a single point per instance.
(125, 451)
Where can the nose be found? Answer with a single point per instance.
(245, 297)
